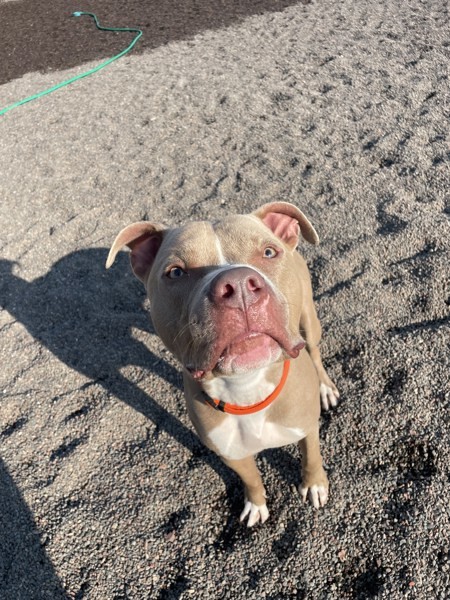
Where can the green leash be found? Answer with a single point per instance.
(87, 73)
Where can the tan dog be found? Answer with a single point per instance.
(232, 300)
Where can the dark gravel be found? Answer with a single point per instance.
(341, 107)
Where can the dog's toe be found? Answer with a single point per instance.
(255, 513)
(318, 495)
(328, 396)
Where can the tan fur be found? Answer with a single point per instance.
(199, 250)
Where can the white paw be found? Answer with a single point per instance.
(255, 513)
(328, 397)
(318, 495)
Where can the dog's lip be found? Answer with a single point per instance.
(296, 349)
(291, 350)
(248, 335)
(196, 374)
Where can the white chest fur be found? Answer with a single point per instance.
(239, 436)
(244, 389)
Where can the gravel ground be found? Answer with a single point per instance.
(340, 107)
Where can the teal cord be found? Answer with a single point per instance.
(87, 73)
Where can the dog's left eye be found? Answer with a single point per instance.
(175, 273)
(270, 252)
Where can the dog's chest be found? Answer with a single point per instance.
(239, 436)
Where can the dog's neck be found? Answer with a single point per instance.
(244, 389)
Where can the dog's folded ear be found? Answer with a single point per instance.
(143, 239)
(287, 222)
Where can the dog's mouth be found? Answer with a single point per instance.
(242, 325)
(247, 352)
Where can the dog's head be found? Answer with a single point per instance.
(226, 296)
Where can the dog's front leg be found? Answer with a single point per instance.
(255, 495)
(329, 394)
(314, 479)
(311, 330)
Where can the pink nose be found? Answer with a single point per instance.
(237, 288)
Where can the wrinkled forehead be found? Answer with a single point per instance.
(194, 243)
(239, 231)
(203, 243)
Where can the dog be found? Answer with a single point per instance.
(232, 300)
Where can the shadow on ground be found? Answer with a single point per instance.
(41, 36)
(25, 571)
(84, 315)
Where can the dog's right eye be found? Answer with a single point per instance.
(175, 273)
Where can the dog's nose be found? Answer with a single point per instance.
(237, 288)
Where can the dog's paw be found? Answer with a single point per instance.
(317, 494)
(329, 396)
(254, 512)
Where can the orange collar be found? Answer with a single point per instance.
(235, 409)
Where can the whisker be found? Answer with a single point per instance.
(181, 331)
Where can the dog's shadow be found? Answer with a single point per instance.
(85, 315)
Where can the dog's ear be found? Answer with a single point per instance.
(287, 222)
(144, 240)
